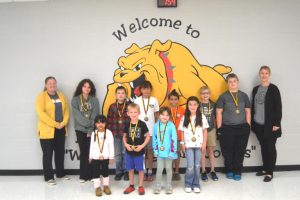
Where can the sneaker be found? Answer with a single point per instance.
(141, 190)
(268, 178)
(126, 176)
(237, 177)
(261, 173)
(51, 182)
(214, 176)
(98, 192)
(169, 189)
(118, 177)
(82, 181)
(64, 178)
(128, 190)
(106, 190)
(176, 177)
(197, 190)
(188, 190)
(204, 176)
(229, 175)
(156, 189)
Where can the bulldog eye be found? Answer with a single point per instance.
(122, 68)
(137, 67)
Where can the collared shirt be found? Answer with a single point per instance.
(113, 118)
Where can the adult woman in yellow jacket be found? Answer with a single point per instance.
(53, 115)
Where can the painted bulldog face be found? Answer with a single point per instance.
(141, 64)
(168, 66)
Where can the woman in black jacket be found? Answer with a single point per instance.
(266, 120)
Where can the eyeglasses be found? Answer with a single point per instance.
(204, 93)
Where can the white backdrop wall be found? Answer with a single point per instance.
(72, 40)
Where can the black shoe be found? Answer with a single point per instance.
(260, 173)
(214, 176)
(126, 176)
(204, 176)
(268, 178)
(118, 177)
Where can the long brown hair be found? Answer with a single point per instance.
(187, 113)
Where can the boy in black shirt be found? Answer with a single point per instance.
(135, 139)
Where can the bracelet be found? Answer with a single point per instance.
(182, 143)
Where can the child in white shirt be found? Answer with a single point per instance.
(101, 151)
(193, 139)
(149, 114)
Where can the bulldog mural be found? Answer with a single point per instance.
(167, 66)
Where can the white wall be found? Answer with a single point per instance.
(72, 40)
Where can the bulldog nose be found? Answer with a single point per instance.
(122, 74)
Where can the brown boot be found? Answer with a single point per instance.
(98, 192)
(106, 190)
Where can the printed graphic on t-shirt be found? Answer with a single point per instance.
(260, 97)
(138, 132)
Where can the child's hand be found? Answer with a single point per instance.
(128, 147)
(138, 148)
(155, 155)
(90, 161)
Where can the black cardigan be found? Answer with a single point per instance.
(273, 111)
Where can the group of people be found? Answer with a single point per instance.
(134, 133)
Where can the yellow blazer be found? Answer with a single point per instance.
(45, 109)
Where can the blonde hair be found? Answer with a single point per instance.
(265, 67)
(133, 106)
(205, 87)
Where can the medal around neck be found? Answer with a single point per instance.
(194, 139)
(162, 136)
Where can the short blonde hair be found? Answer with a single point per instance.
(205, 87)
(133, 106)
(265, 67)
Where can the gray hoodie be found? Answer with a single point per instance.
(82, 123)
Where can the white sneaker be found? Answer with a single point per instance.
(64, 178)
(51, 182)
(188, 190)
(82, 181)
(197, 190)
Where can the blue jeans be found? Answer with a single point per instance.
(119, 155)
(192, 174)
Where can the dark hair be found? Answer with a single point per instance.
(165, 109)
(187, 113)
(120, 88)
(173, 93)
(232, 75)
(102, 119)
(146, 84)
(47, 79)
(78, 90)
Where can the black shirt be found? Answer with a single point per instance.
(139, 137)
